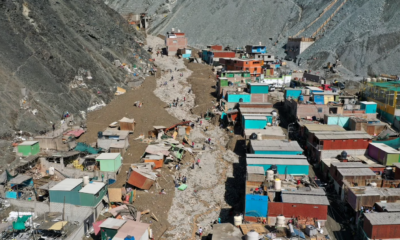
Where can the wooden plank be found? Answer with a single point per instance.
(258, 227)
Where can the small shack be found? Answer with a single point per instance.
(368, 107)
(383, 153)
(256, 121)
(382, 225)
(110, 227)
(134, 230)
(28, 148)
(92, 194)
(275, 147)
(292, 93)
(127, 124)
(141, 178)
(284, 166)
(67, 190)
(258, 88)
(109, 162)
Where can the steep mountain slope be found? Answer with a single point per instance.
(364, 34)
(44, 45)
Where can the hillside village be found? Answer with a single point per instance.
(216, 143)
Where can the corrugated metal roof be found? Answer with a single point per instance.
(119, 144)
(254, 117)
(305, 199)
(324, 127)
(383, 218)
(108, 156)
(325, 93)
(371, 191)
(368, 103)
(132, 228)
(390, 207)
(260, 145)
(385, 148)
(113, 223)
(269, 131)
(314, 88)
(329, 161)
(122, 134)
(254, 103)
(127, 120)
(20, 179)
(349, 165)
(92, 188)
(356, 172)
(342, 135)
(275, 156)
(66, 185)
(305, 191)
(259, 84)
(268, 161)
(255, 170)
(256, 110)
(27, 143)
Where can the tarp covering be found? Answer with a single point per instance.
(394, 143)
(58, 225)
(76, 133)
(20, 223)
(9, 176)
(82, 147)
(96, 226)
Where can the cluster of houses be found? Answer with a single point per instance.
(351, 149)
(77, 184)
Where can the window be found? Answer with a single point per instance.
(174, 41)
(320, 110)
(315, 207)
(294, 206)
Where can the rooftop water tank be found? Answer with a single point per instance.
(51, 171)
(368, 79)
(278, 184)
(301, 98)
(373, 184)
(237, 220)
(85, 180)
(270, 175)
(280, 221)
(253, 235)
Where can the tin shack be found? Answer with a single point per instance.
(284, 166)
(91, 194)
(28, 148)
(383, 153)
(275, 147)
(382, 225)
(67, 190)
(109, 162)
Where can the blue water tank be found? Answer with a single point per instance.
(301, 98)
(129, 238)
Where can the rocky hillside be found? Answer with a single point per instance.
(62, 53)
(364, 34)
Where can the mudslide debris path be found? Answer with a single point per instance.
(200, 204)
